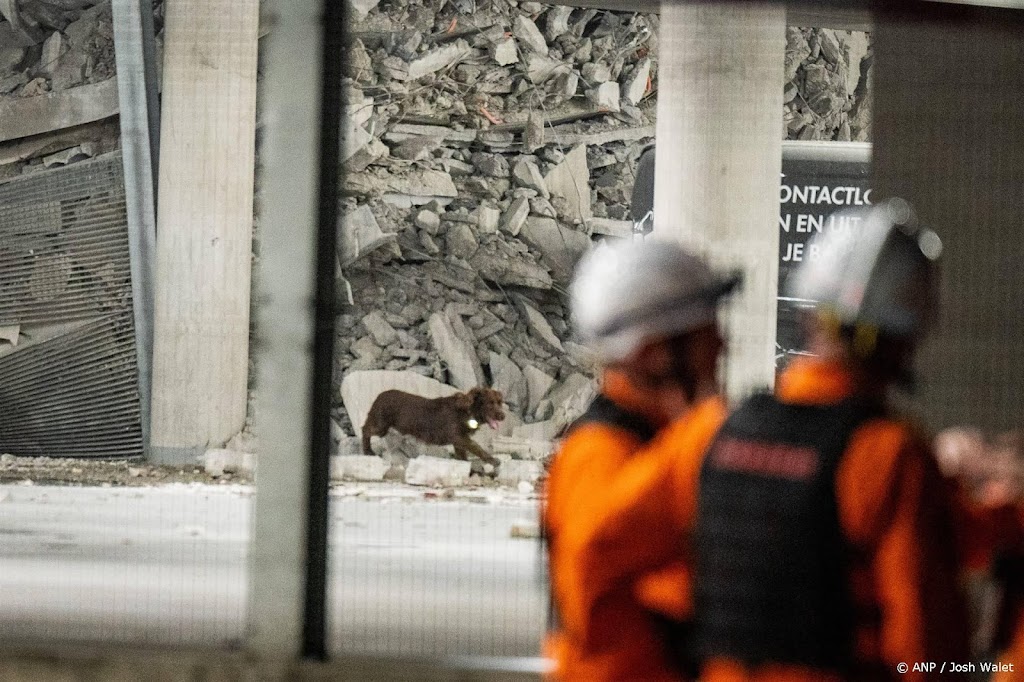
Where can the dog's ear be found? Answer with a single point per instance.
(464, 401)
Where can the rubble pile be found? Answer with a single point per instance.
(58, 97)
(827, 85)
(489, 146)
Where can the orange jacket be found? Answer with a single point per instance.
(619, 641)
(893, 506)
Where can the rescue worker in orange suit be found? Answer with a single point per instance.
(815, 525)
(647, 311)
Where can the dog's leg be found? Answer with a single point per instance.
(470, 445)
(460, 452)
(368, 432)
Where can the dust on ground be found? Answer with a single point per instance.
(88, 472)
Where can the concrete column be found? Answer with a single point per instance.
(949, 137)
(204, 225)
(719, 157)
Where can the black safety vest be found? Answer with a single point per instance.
(771, 560)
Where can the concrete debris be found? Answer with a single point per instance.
(596, 73)
(495, 266)
(508, 378)
(514, 471)
(622, 229)
(538, 324)
(533, 136)
(358, 468)
(218, 462)
(461, 241)
(527, 33)
(79, 153)
(52, 48)
(636, 85)
(491, 165)
(437, 472)
(571, 398)
(359, 235)
(360, 8)
(515, 215)
(424, 184)
(539, 68)
(570, 180)
(381, 331)
(605, 97)
(434, 61)
(429, 222)
(526, 174)
(538, 384)
(504, 52)
(458, 356)
(560, 247)
(557, 21)
(25, 116)
(488, 219)
(540, 432)
(521, 448)
(10, 333)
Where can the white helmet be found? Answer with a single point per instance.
(876, 275)
(634, 291)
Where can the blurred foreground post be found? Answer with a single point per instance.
(719, 156)
(949, 137)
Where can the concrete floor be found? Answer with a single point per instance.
(167, 566)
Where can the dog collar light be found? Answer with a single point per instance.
(473, 424)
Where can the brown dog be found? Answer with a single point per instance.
(441, 421)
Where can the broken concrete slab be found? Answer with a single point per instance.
(437, 472)
(508, 378)
(557, 21)
(636, 85)
(63, 158)
(515, 216)
(526, 174)
(539, 68)
(360, 389)
(596, 73)
(359, 235)
(358, 468)
(541, 432)
(381, 331)
(538, 324)
(488, 219)
(527, 33)
(538, 383)
(505, 271)
(560, 247)
(428, 221)
(360, 8)
(606, 97)
(571, 398)
(25, 116)
(505, 52)
(421, 183)
(220, 461)
(570, 180)
(461, 241)
(533, 135)
(622, 229)
(441, 58)
(520, 448)
(459, 357)
(490, 165)
(514, 471)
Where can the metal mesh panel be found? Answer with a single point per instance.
(69, 386)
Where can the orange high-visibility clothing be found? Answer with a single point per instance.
(620, 641)
(894, 509)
